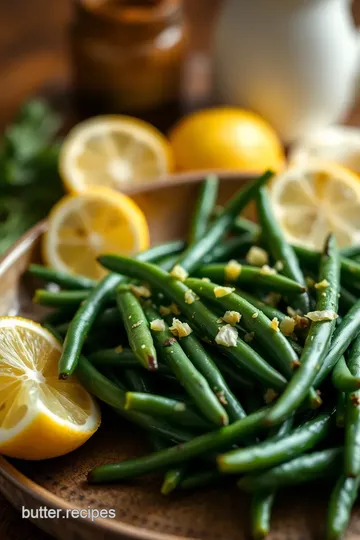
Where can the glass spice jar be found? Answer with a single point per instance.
(127, 55)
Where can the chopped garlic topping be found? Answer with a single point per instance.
(140, 291)
(174, 309)
(223, 291)
(206, 279)
(322, 284)
(266, 270)
(179, 273)
(270, 395)
(164, 311)
(257, 256)
(279, 265)
(119, 349)
(227, 336)
(249, 336)
(272, 299)
(287, 326)
(190, 297)
(325, 315)
(180, 329)
(310, 282)
(232, 270)
(255, 315)
(158, 325)
(231, 317)
(275, 324)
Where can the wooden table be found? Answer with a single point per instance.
(33, 59)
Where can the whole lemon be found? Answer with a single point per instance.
(225, 138)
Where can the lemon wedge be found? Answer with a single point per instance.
(40, 416)
(316, 198)
(113, 151)
(81, 227)
(340, 144)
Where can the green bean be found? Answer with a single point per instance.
(204, 208)
(300, 470)
(163, 407)
(64, 279)
(207, 367)
(198, 446)
(62, 299)
(200, 479)
(253, 320)
(92, 306)
(278, 246)
(347, 330)
(276, 450)
(269, 311)
(261, 506)
(194, 254)
(244, 225)
(342, 378)
(350, 270)
(350, 251)
(243, 355)
(105, 390)
(232, 248)
(231, 374)
(172, 479)
(341, 503)
(352, 418)
(137, 328)
(189, 377)
(253, 276)
(340, 409)
(317, 341)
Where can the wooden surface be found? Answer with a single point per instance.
(33, 59)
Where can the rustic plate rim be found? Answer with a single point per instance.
(9, 471)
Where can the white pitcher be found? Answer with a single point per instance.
(295, 62)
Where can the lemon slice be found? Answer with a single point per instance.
(113, 151)
(314, 199)
(83, 226)
(340, 144)
(40, 416)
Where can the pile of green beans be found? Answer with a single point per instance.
(233, 370)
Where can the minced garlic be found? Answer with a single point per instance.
(164, 310)
(227, 336)
(180, 329)
(326, 315)
(119, 349)
(231, 317)
(190, 297)
(232, 270)
(275, 324)
(140, 291)
(179, 273)
(206, 279)
(322, 284)
(266, 270)
(279, 265)
(270, 395)
(257, 256)
(223, 291)
(255, 315)
(249, 336)
(174, 309)
(135, 325)
(158, 325)
(287, 326)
